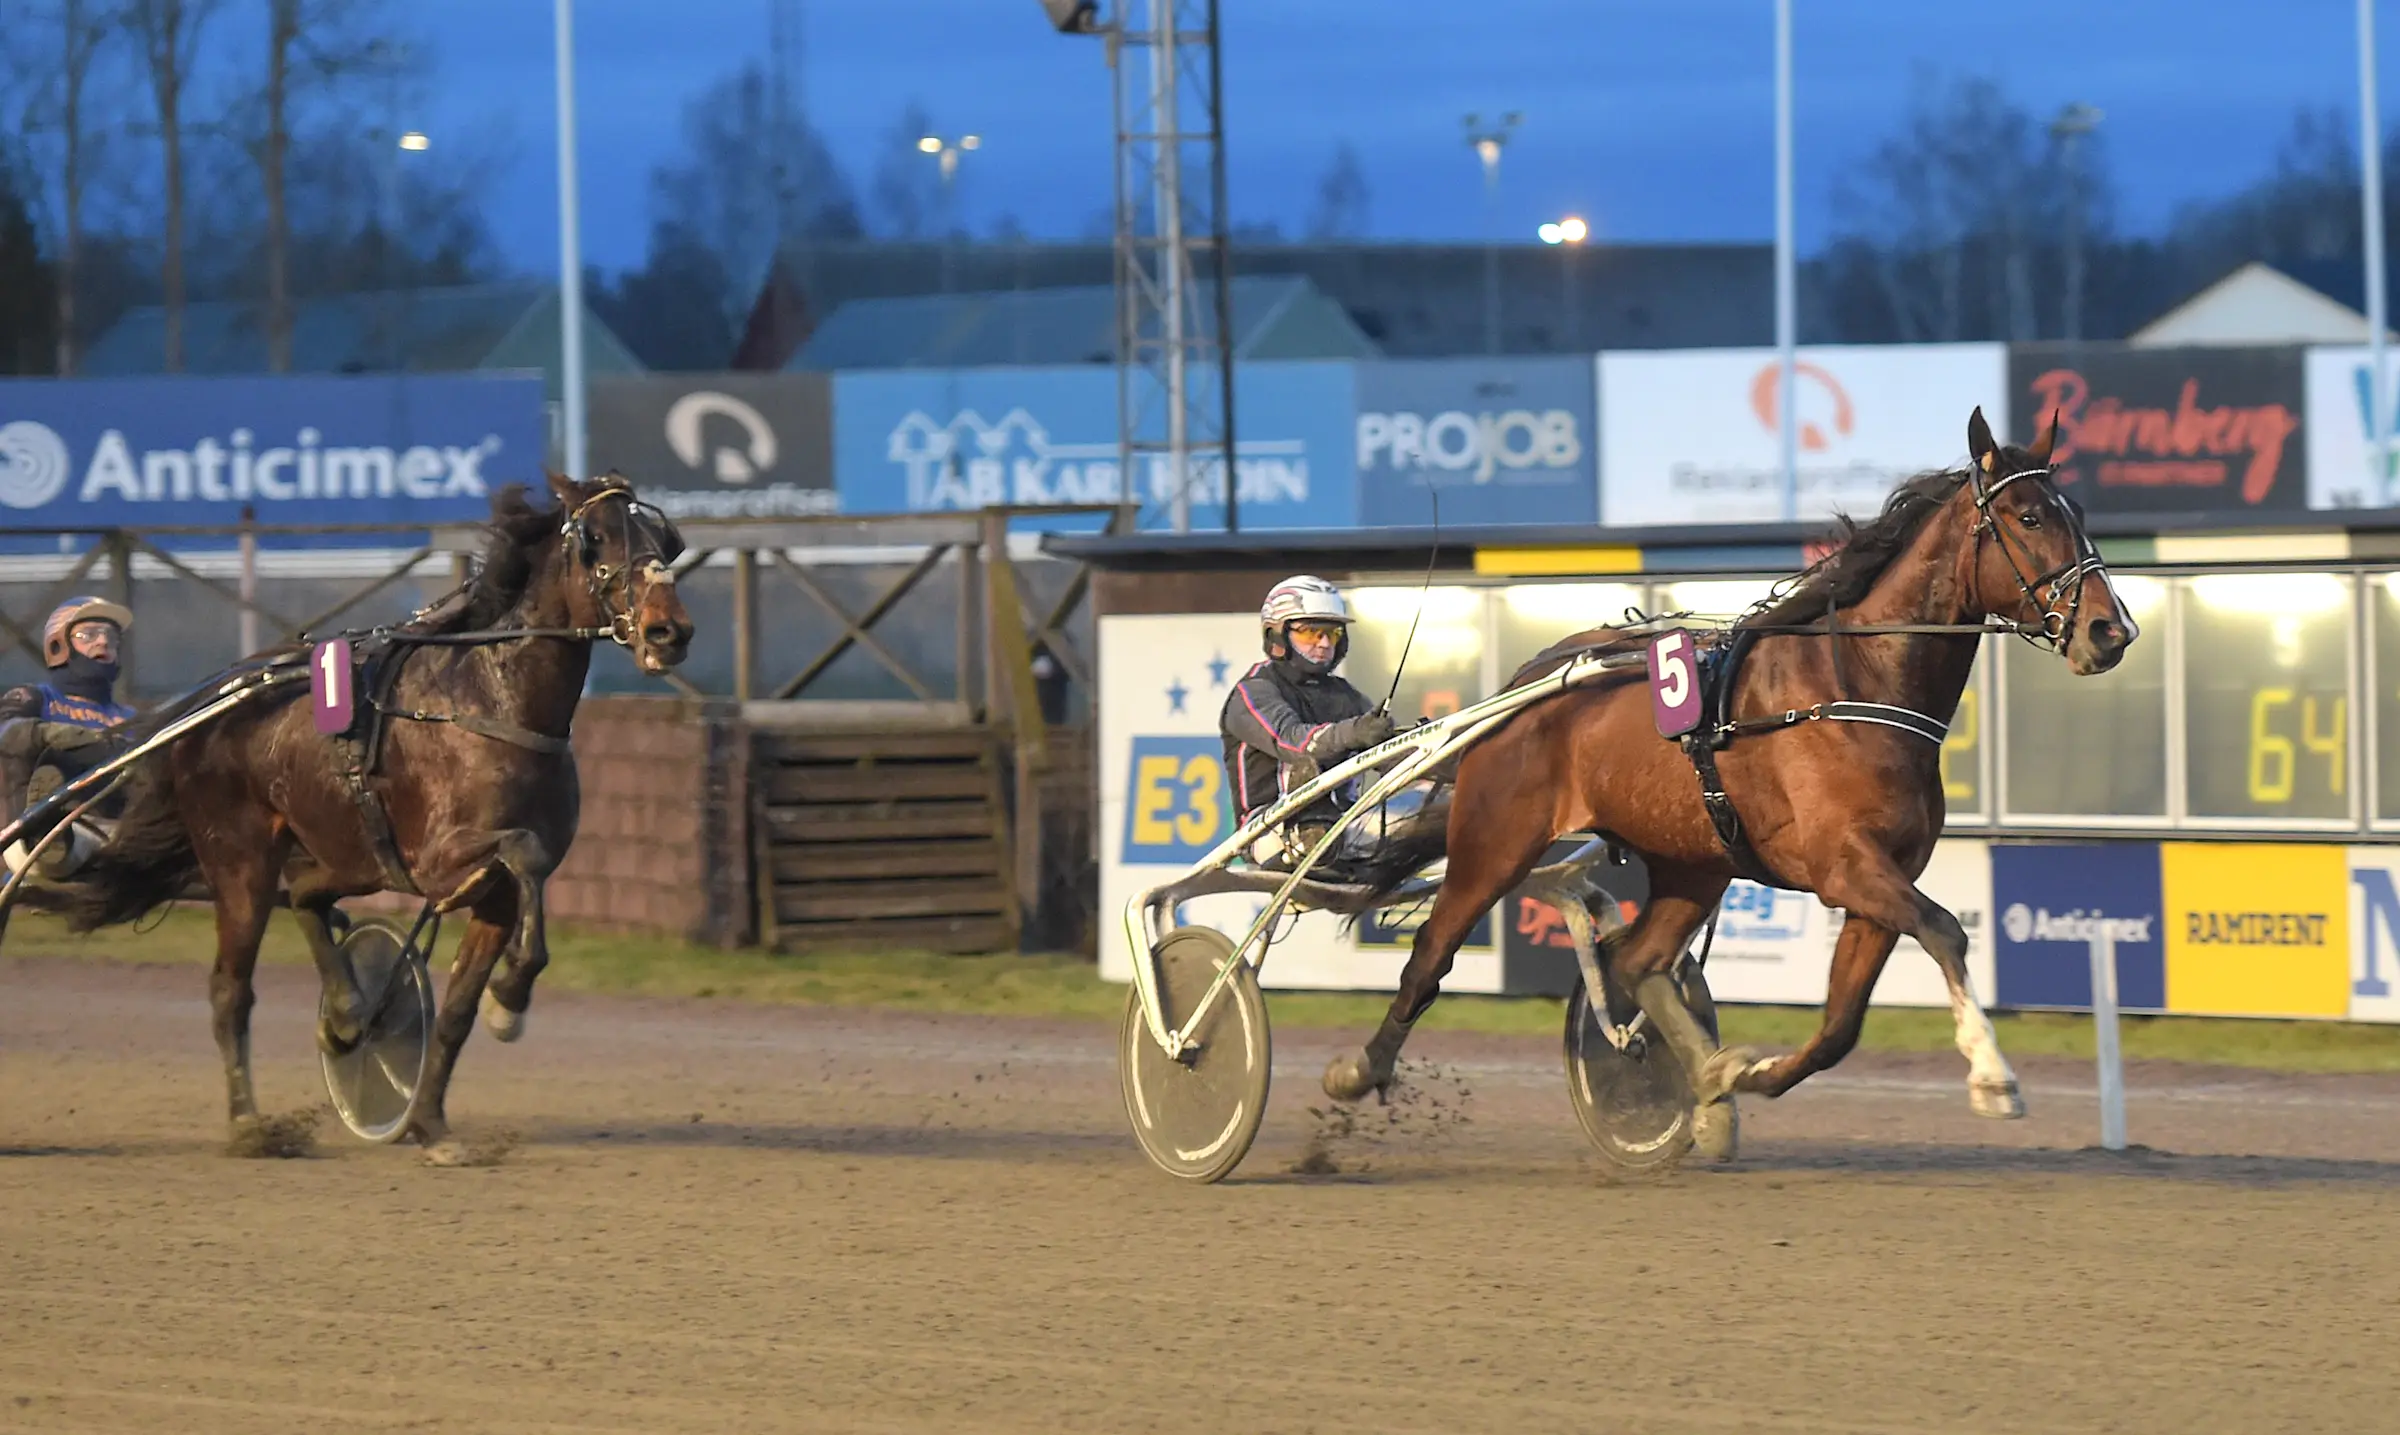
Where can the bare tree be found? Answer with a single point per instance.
(312, 45)
(167, 33)
(753, 176)
(59, 58)
(1340, 211)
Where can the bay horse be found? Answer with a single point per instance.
(475, 777)
(1848, 810)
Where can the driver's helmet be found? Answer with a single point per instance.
(1304, 599)
(62, 621)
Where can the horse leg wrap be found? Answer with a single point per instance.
(1662, 1001)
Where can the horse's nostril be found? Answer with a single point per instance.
(660, 635)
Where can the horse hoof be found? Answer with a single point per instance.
(449, 1151)
(1350, 1077)
(1998, 1100)
(1722, 1073)
(1717, 1131)
(505, 1024)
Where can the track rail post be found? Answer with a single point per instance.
(2104, 1026)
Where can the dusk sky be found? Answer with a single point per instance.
(1651, 119)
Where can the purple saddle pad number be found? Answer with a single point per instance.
(1674, 683)
(329, 685)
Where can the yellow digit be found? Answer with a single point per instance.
(2331, 744)
(1962, 739)
(1154, 800)
(2271, 753)
(1203, 788)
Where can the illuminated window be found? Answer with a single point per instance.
(2266, 696)
(1532, 616)
(1445, 664)
(2096, 746)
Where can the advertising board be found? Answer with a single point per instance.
(2256, 929)
(2167, 430)
(295, 449)
(718, 445)
(2049, 897)
(1498, 440)
(1777, 946)
(914, 441)
(1164, 803)
(2374, 934)
(2342, 470)
(1694, 436)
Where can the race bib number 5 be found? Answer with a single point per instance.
(1674, 683)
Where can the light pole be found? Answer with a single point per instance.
(1487, 142)
(570, 250)
(1568, 234)
(1787, 305)
(947, 153)
(2073, 123)
(2370, 196)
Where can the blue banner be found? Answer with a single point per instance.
(1500, 440)
(915, 441)
(2048, 899)
(90, 453)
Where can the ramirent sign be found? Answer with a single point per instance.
(153, 452)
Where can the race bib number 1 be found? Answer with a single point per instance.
(1674, 683)
(329, 685)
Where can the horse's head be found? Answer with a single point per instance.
(2038, 567)
(618, 556)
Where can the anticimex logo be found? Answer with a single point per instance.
(1813, 438)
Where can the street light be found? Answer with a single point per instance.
(2073, 123)
(1487, 142)
(415, 140)
(947, 152)
(1568, 234)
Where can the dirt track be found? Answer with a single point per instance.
(732, 1219)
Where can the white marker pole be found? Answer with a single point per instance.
(570, 249)
(2104, 1027)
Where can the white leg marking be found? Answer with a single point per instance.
(1991, 1085)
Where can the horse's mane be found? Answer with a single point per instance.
(1862, 551)
(517, 531)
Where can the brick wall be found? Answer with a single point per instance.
(663, 844)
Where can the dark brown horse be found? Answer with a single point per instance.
(1848, 810)
(479, 788)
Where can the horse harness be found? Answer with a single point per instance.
(1718, 665)
(379, 655)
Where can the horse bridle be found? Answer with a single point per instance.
(613, 588)
(2062, 582)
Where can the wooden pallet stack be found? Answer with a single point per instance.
(883, 839)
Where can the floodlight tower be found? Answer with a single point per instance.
(1175, 435)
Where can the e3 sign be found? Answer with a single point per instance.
(1176, 804)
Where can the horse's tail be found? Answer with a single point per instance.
(1424, 837)
(146, 863)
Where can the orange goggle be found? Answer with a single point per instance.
(1313, 632)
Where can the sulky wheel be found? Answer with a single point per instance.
(374, 1085)
(1196, 1116)
(1635, 1104)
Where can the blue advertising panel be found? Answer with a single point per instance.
(1500, 440)
(89, 453)
(2050, 896)
(1177, 806)
(915, 441)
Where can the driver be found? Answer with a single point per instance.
(54, 732)
(1290, 717)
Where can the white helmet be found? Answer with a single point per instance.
(1304, 598)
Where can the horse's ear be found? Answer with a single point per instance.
(1979, 441)
(564, 488)
(2048, 441)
